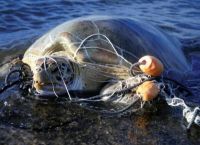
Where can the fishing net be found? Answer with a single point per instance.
(119, 96)
(109, 65)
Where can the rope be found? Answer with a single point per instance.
(192, 115)
(108, 40)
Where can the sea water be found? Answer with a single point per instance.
(30, 122)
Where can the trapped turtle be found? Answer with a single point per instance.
(98, 54)
(86, 53)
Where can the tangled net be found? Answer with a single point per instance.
(120, 98)
(191, 114)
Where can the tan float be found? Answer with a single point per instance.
(151, 65)
(148, 90)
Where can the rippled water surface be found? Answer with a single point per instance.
(23, 21)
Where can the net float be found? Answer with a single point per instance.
(148, 90)
(151, 65)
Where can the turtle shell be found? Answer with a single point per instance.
(108, 40)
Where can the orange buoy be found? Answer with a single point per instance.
(151, 65)
(148, 90)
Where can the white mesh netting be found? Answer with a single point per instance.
(119, 96)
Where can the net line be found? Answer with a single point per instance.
(191, 114)
(172, 100)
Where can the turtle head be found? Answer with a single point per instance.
(52, 75)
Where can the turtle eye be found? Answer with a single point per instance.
(42, 66)
(47, 65)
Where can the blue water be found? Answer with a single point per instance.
(26, 19)
(23, 21)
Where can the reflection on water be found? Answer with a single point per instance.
(31, 122)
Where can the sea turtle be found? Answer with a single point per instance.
(85, 53)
